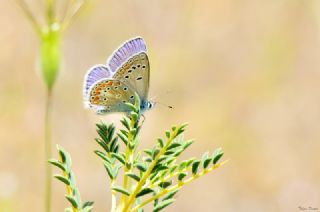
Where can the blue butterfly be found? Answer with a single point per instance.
(107, 88)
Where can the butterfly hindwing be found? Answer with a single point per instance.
(110, 95)
(93, 75)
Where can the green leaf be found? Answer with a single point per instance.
(109, 170)
(134, 116)
(195, 166)
(162, 158)
(121, 190)
(155, 153)
(86, 204)
(116, 169)
(187, 144)
(62, 179)
(182, 165)
(61, 154)
(148, 152)
(125, 123)
(173, 145)
(181, 176)
(165, 184)
(206, 160)
(102, 144)
(72, 201)
(142, 167)
(178, 152)
(167, 134)
(206, 163)
(125, 133)
(159, 167)
(123, 137)
(57, 164)
(171, 194)
(170, 152)
(190, 161)
(133, 176)
(173, 168)
(163, 204)
(131, 106)
(103, 156)
(218, 153)
(113, 145)
(144, 192)
(147, 159)
(160, 142)
(119, 157)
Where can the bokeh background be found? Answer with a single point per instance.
(244, 74)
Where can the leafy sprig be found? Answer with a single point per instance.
(154, 175)
(68, 178)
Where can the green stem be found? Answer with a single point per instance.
(113, 197)
(48, 151)
(50, 12)
(179, 185)
(126, 180)
(148, 172)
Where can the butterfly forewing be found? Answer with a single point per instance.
(111, 95)
(136, 74)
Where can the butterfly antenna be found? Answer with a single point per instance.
(168, 106)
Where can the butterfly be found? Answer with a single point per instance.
(107, 88)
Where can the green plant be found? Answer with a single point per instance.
(153, 175)
(73, 195)
(49, 34)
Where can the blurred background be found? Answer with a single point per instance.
(244, 75)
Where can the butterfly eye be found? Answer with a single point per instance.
(125, 88)
(131, 97)
(129, 71)
(138, 66)
(115, 87)
(126, 77)
(133, 67)
(139, 78)
(143, 66)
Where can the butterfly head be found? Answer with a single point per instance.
(147, 105)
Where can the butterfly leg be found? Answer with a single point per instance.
(144, 118)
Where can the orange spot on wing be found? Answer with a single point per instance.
(109, 83)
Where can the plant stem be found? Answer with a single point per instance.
(148, 172)
(128, 155)
(179, 185)
(48, 151)
(113, 197)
